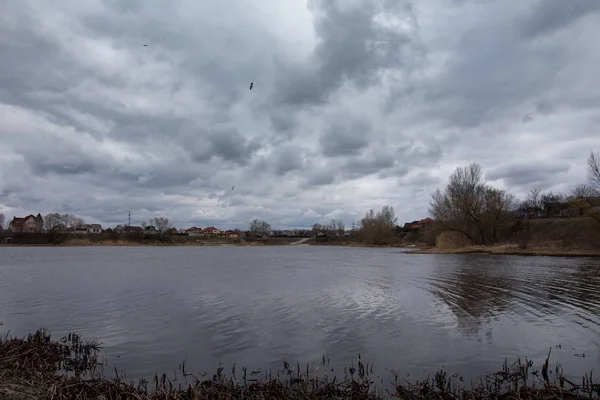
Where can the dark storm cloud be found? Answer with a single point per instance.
(64, 167)
(528, 174)
(545, 17)
(348, 95)
(288, 159)
(501, 68)
(352, 47)
(345, 137)
(319, 177)
(230, 145)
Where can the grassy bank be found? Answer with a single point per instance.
(560, 237)
(37, 367)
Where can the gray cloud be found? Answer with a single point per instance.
(545, 18)
(356, 105)
(528, 174)
(345, 137)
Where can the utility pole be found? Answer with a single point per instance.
(129, 223)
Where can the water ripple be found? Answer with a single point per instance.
(153, 307)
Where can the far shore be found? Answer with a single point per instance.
(508, 250)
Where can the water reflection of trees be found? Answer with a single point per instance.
(479, 288)
(475, 288)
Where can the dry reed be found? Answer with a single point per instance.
(36, 367)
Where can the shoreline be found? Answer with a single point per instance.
(412, 249)
(507, 251)
(36, 366)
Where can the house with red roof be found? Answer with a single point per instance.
(194, 231)
(29, 223)
(211, 231)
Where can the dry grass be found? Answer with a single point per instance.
(88, 242)
(560, 237)
(452, 240)
(37, 367)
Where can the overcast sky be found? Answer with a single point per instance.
(356, 104)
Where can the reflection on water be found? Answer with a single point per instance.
(542, 291)
(153, 307)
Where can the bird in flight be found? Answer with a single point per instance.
(251, 85)
(145, 45)
(232, 187)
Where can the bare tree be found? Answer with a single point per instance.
(52, 221)
(588, 205)
(594, 169)
(259, 227)
(378, 228)
(533, 198)
(583, 191)
(387, 217)
(338, 226)
(71, 221)
(55, 221)
(161, 224)
(469, 206)
(2, 220)
(317, 227)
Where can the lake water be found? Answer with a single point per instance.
(153, 307)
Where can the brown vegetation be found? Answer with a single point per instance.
(471, 216)
(36, 367)
(378, 228)
(472, 208)
(551, 237)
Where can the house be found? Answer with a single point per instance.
(194, 231)
(150, 230)
(134, 229)
(211, 231)
(94, 228)
(80, 230)
(231, 234)
(171, 231)
(29, 223)
(426, 222)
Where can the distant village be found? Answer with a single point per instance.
(35, 224)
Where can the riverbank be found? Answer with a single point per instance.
(38, 367)
(508, 250)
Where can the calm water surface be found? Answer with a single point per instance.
(153, 307)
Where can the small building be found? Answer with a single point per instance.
(29, 223)
(94, 228)
(211, 231)
(426, 222)
(150, 230)
(194, 231)
(231, 234)
(80, 230)
(171, 231)
(134, 229)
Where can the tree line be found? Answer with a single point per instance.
(483, 214)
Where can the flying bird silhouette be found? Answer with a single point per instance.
(251, 85)
(145, 45)
(232, 187)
